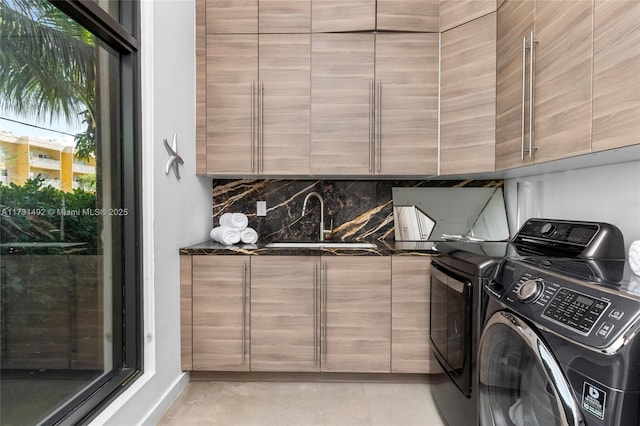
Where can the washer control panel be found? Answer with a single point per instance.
(581, 311)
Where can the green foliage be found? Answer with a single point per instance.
(33, 213)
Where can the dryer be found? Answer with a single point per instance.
(559, 342)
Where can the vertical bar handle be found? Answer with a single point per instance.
(524, 91)
(371, 112)
(315, 313)
(531, 100)
(261, 127)
(244, 309)
(253, 106)
(379, 122)
(324, 329)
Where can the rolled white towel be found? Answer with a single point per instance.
(634, 257)
(234, 220)
(225, 235)
(249, 236)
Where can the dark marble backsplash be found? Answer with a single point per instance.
(361, 210)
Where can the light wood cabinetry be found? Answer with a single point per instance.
(374, 104)
(186, 314)
(341, 104)
(616, 79)
(258, 104)
(468, 97)
(221, 309)
(369, 15)
(253, 16)
(457, 12)
(410, 285)
(356, 314)
(557, 120)
(406, 102)
(285, 300)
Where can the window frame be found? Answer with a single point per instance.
(123, 37)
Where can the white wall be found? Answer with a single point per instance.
(601, 194)
(176, 213)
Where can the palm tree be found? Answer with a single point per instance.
(47, 67)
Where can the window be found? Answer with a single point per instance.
(70, 274)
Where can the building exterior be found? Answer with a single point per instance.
(24, 157)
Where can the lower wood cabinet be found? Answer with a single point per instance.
(356, 314)
(410, 289)
(221, 292)
(285, 302)
(305, 313)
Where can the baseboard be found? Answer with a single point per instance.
(308, 377)
(168, 398)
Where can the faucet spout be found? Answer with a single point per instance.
(304, 209)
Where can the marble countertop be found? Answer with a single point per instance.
(383, 248)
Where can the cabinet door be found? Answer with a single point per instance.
(342, 104)
(341, 15)
(515, 22)
(186, 314)
(616, 80)
(356, 314)
(563, 78)
(231, 17)
(284, 16)
(468, 97)
(457, 12)
(285, 79)
(221, 294)
(407, 15)
(284, 307)
(406, 72)
(232, 73)
(410, 284)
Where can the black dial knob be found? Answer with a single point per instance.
(548, 229)
(529, 291)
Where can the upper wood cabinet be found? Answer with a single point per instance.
(374, 104)
(468, 97)
(257, 16)
(221, 309)
(342, 107)
(555, 77)
(285, 301)
(356, 314)
(616, 79)
(410, 288)
(258, 104)
(406, 102)
(458, 12)
(369, 15)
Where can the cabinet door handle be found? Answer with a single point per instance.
(379, 122)
(532, 43)
(244, 304)
(371, 123)
(524, 94)
(315, 313)
(261, 127)
(253, 106)
(324, 328)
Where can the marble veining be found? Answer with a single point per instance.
(357, 210)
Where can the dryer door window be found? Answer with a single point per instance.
(520, 381)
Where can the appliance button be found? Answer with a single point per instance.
(605, 329)
(616, 314)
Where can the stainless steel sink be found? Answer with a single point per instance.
(324, 244)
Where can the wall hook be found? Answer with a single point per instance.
(174, 160)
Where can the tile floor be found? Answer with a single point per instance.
(303, 404)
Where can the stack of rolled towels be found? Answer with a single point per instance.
(234, 228)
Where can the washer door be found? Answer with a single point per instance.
(521, 384)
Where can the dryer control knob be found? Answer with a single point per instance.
(529, 291)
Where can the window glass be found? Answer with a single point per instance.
(61, 212)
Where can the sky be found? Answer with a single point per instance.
(59, 131)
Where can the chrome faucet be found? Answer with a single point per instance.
(304, 208)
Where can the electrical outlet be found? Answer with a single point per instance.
(261, 208)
